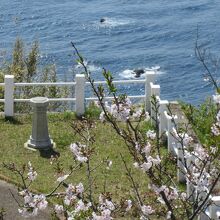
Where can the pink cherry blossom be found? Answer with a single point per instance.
(129, 205)
(78, 151)
(62, 178)
(32, 174)
(147, 210)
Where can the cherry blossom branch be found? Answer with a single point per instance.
(15, 170)
(132, 182)
(200, 207)
(62, 181)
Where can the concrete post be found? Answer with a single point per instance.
(173, 142)
(170, 139)
(154, 91)
(163, 122)
(80, 94)
(215, 207)
(206, 214)
(40, 137)
(190, 190)
(169, 135)
(9, 96)
(180, 165)
(150, 78)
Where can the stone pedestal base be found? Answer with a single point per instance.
(31, 145)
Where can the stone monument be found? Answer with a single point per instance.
(39, 139)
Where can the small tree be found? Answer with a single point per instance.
(166, 198)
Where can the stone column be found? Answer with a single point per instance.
(40, 137)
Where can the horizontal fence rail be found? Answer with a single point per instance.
(46, 84)
(141, 81)
(50, 100)
(111, 97)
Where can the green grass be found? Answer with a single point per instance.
(15, 133)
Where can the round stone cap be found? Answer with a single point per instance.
(39, 100)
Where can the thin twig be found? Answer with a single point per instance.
(132, 182)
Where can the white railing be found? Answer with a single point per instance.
(80, 98)
(167, 127)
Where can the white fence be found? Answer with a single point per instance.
(167, 127)
(80, 85)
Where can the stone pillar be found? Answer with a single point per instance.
(40, 137)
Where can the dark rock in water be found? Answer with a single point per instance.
(138, 72)
(102, 20)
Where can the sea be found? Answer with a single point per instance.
(155, 35)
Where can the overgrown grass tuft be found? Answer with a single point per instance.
(202, 117)
(92, 111)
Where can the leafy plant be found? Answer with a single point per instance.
(201, 118)
(24, 67)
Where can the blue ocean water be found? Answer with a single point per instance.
(152, 34)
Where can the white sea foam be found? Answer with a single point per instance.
(90, 67)
(108, 24)
(79, 65)
(113, 22)
(130, 74)
(93, 68)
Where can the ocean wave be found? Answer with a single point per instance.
(130, 74)
(91, 67)
(108, 24)
(197, 7)
(113, 22)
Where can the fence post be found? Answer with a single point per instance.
(205, 215)
(180, 164)
(171, 142)
(215, 207)
(150, 78)
(169, 135)
(174, 144)
(162, 118)
(9, 96)
(154, 91)
(80, 94)
(190, 190)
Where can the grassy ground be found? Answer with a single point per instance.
(14, 134)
